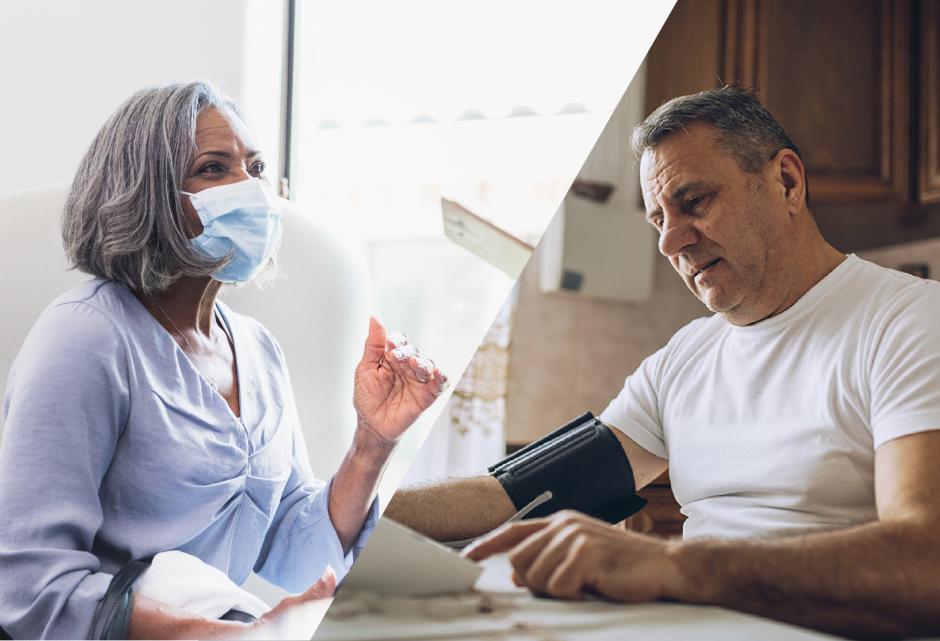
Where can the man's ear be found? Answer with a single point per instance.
(792, 175)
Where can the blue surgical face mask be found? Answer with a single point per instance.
(243, 218)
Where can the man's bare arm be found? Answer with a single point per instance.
(646, 465)
(874, 581)
(454, 509)
(462, 508)
(878, 580)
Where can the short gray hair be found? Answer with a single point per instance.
(123, 220)
(746, 130)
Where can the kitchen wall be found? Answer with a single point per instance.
(570, 355)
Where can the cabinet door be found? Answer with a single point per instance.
(929, 108)
(686, 56)
(836, 75)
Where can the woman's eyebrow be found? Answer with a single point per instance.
(251, 153)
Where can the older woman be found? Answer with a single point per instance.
(144, 415)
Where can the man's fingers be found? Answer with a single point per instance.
(375, 342)
(567, 580)
(504, 538)
(536, 559)
(528, 552)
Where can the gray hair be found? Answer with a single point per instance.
(123, 219)
(746, 130)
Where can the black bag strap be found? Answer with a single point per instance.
(113, 615)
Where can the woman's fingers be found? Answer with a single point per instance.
(439, 380)
(375, 342)
(409, 361)
(404, 352)
(423, 369)
(397, 340)
(406, 359)
(323, 588)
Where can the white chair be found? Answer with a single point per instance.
(318, 311)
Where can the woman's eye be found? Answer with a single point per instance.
(258, 168)
(211, 168)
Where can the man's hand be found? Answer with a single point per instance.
(568, 555)
(393, 384)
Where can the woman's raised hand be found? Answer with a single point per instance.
(393, 384)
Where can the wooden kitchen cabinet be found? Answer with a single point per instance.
(661, 516)
(928, 157)
(836, 76)
(857, 85)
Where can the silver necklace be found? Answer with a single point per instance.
(214, 384)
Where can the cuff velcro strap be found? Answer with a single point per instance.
(583, 466)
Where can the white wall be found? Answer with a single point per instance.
(65, 66)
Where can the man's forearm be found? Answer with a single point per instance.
(454, 509)
(842, 582)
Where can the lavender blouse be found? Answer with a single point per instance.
(116, 448)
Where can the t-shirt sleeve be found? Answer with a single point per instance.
(65, 407)
(905, 372)
(635, 410)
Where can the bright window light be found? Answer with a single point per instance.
(492, 104)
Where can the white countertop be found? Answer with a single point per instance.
(499, 610)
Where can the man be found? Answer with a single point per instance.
(799, 423)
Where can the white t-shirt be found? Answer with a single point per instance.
(771, 429)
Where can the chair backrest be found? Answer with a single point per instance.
(318, 310)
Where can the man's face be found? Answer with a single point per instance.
(719, 226)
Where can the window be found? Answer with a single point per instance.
(492, 104)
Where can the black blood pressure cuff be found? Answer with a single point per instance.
(581, 464)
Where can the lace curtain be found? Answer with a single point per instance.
(470, 433)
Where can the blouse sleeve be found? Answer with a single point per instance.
(302, 541)
(67, 402)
